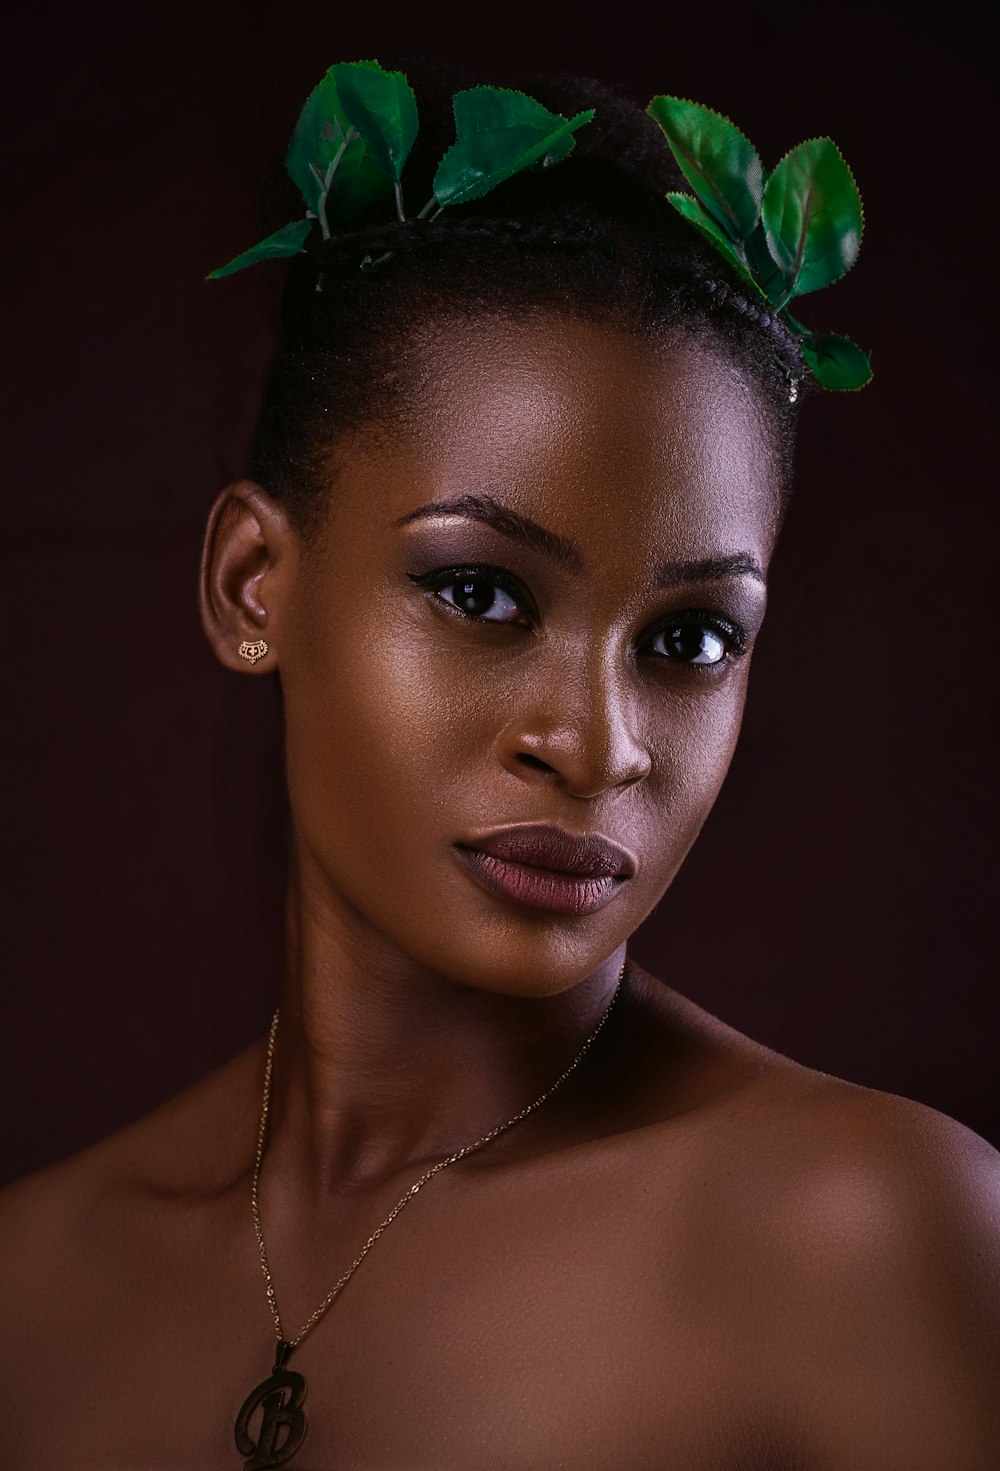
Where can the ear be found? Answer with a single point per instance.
(248, 565)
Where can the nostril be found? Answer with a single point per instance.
(535, 762)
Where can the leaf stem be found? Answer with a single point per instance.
(327, 180)
(400, 211)
(428, 207)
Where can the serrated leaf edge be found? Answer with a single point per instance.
(704, 107)
(714, 112)
(506, 91)
(574, 123)
(376, 66)
(825, 138)
(230, 268)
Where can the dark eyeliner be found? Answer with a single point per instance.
(443, 576)
(734, 636)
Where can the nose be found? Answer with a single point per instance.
(578, 728)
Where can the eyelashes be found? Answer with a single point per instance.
(474, 593)
(696, 637)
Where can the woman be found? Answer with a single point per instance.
(516, 486)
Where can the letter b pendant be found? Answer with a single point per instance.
(283, 1423)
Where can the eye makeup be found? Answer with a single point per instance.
(697, 637)
(474, 577)
(694, 630)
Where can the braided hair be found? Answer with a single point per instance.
(592, 238)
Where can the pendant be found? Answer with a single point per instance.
(283, 1424)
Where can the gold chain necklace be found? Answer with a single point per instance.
(283, 1425)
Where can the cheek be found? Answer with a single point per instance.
(693, 738)
(377, 726)
(705, 729)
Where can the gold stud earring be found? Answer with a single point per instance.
(252, 652)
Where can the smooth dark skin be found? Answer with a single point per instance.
(698, 1255)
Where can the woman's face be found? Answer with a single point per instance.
(533, 604)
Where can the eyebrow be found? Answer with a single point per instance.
(560, 549)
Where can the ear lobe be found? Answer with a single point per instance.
(250, 550)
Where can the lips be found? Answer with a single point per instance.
(543, 846)
(547, 868)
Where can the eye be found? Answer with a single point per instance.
(698, 638)
(483, 593)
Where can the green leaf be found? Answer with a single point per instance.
(318, 135)
(811, 212)
(289, 240)
(498, 134)
(562, 144)
(357, 183)
(490, 109)
(696, 214)
(837, 362)
(317, 140)
(719, 162)
(381, 105)
(766, 271)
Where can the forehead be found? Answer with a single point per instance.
(603, 436)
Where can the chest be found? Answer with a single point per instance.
(571, 1326)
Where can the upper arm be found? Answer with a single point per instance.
(898, 1264)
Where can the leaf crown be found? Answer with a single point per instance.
(784, 234)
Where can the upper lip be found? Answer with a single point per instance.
(545, 846)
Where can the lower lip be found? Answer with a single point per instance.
(541, 888)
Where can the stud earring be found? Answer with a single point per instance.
(252, 652)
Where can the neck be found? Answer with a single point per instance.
(382, 1064)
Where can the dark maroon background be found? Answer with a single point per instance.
(839, 905)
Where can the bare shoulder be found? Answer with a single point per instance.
(808, 1123)
(798, 1120)
(873, 1192)
(854, 1236)
(886, 1225)
(866, 1165)
(64, 1209)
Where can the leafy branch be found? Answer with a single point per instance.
(785, 234)
(355, 133)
